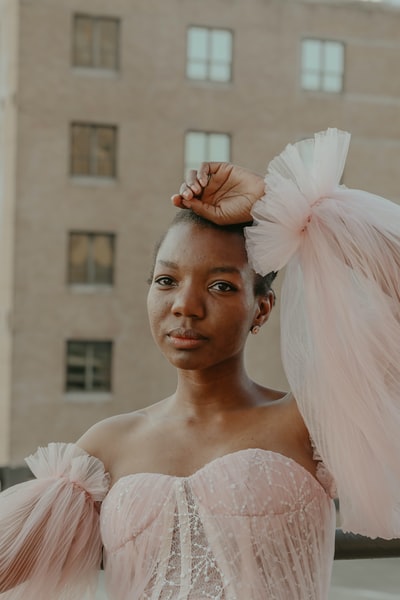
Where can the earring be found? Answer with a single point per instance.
(255, 329)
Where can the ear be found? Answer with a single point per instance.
(264, 307)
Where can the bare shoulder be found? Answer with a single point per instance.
(104, 438)
(286, 431)
(288, 413)
(290, 406)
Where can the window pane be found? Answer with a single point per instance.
(78, 258)
(101, 367)
(311, 54)
(221, 45)
(333, 57)
(76, 366)
(80, 149)
(220, 72)
(195, 147)
(108, 43)
(219, 147)
(103, 258)
(196, 70)
(310, 81)
(83, 41)
(198, 43)
(104, 152)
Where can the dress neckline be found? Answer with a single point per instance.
(283, 457)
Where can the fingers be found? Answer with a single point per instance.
(196, 181)
(193, 186)
(193, 182)
(178, 201)
(204, 174)
(207, 211)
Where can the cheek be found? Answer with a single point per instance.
(237, 330)
(156, 310)
(152, 310)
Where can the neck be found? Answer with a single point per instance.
(202, 394)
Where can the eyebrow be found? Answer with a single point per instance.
(225, 269)
(167, 263)
(219, 269)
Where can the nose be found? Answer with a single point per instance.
(188, 302)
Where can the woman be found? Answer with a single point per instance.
(217, 491)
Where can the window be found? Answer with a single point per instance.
(209, 54)
(204, 147)
(322, 65)
(91, 258)
(96, 42)
(93, 150)
(88, 366)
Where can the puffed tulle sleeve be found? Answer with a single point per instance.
(340, 320)
(50, 546)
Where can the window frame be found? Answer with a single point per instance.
(91, 283)
(95, 50)
(209, 60)
(89, 363)
(322, 71)
(94, 128)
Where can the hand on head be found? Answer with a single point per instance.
(220, 192)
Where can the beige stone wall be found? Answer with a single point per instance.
(153, 105)
(8, 88)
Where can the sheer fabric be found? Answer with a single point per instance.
(340, 320)
(49, 527)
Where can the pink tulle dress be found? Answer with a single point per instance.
(254, 524)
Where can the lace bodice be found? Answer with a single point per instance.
(250, 525)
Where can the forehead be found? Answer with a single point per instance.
(189, 242)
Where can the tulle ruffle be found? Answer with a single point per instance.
(340, 320)
(50, 545)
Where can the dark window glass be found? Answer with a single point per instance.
(88, 366)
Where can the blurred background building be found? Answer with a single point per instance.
(103, 106)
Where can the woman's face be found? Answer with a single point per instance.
(201, 302)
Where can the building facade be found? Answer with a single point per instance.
(102, 108)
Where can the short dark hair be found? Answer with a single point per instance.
(262, 283)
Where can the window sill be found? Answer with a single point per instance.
(93, 180)
(323, 92)
(210, 83)
(81, 397)
(96, 72)
(90, 288)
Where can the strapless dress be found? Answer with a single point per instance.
(252, 524)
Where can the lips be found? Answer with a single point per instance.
(185, 338)
(186, 334)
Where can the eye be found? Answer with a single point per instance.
(223, 286)
(164, 281)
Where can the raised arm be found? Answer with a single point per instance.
(340, 318)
